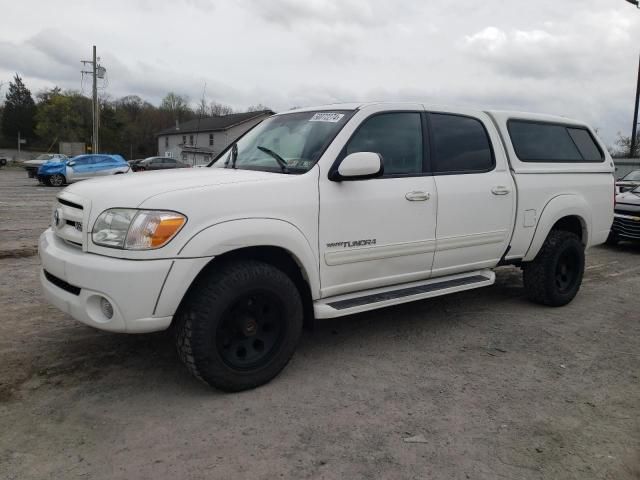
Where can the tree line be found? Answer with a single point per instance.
(127, 125)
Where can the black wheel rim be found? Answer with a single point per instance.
(251, 330)
(567, 270)
(56, 180)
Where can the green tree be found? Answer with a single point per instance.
(19, 111)
(177, 106)
(219, 109)
(623, 147)
(63, 116)
(257, 108)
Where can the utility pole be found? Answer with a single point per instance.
(634, 129)
(97, 71)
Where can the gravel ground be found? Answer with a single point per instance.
(486, 385)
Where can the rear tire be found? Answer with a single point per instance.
(239, 325)
(554, 277)
(56, 180)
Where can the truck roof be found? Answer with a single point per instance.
(498, 114)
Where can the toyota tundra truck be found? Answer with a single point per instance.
(324, 212)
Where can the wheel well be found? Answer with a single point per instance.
(573, 224)
(278, 257)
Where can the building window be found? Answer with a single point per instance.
(211, 139)
(184, 139)
(190, 139)
(166, 142)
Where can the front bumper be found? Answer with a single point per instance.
(76, 281)
(626, 226)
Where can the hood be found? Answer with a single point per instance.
(35, 163)
(630, 198)
(53, 166)
(131, 189)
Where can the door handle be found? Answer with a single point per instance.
(500, 190)
(416, 196)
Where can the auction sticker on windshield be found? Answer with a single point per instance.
(327, 117)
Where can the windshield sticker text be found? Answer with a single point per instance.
(327, 117)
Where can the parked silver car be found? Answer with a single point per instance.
(81, 167)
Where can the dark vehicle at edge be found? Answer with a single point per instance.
(157, 163)
(630, 181)
(626, 218)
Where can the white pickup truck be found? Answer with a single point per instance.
(324, 212)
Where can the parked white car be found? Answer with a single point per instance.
(32, 166)
(326, 212)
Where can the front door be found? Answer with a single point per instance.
(80, 169)
(380, 231)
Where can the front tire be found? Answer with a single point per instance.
(56, 180)
(239, 325)
(554, 277)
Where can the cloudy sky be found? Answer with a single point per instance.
(576, 58)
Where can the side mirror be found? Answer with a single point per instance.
(359, 166)
(71, 164)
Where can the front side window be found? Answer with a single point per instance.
(396, 136)
(460, 144)
(554, 143)
(289, 143)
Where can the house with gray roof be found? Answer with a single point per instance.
(198, 141)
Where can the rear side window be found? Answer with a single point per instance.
(396, 136)
(553, 143)
(460, 144)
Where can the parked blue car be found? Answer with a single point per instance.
(56, 174)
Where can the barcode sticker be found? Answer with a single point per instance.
(327, 117)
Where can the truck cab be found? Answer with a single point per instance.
(324, 212)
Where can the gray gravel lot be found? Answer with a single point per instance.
(497, 387)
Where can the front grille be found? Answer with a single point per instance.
(58, 282)
(68, 222)
(626, 209)
(626, 227)
(62, 201)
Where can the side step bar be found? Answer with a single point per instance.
(363, 301)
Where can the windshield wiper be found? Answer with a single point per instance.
(232, 157)
(281, 161)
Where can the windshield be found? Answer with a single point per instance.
(633, 176)
(290, 143)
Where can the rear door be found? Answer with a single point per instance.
(169, 163)
(476, 193)
(379, 231)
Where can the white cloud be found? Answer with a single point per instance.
(575, 57)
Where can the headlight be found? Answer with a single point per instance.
(134, 229)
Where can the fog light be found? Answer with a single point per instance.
(107, 308)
